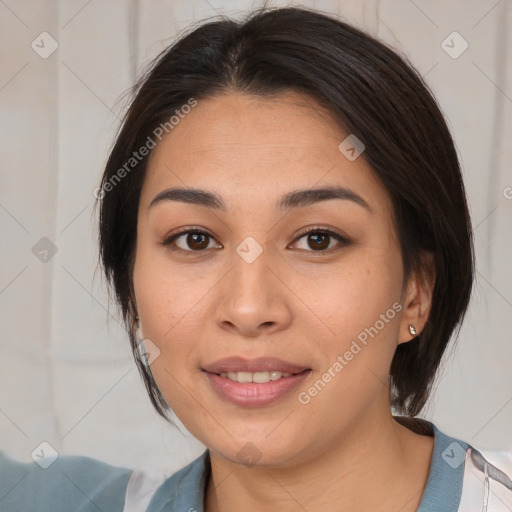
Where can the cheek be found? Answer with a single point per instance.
(158, 315)
(172, 307)
(166, 296)
(362, 309)
(360, 291)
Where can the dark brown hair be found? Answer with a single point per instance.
(372, 92)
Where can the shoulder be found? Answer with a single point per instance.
(72, 482)
(464, 479)
(484, 478)
(67, 482)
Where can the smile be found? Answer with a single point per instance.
(258, 377)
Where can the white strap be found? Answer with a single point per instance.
(486, 487)
(142, 485)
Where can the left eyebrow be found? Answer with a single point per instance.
(307, 197)
(294, 199)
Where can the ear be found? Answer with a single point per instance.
(417, 302)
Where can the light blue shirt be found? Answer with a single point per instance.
(78, 483)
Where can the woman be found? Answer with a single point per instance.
(284, 223)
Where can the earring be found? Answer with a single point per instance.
(412, 330)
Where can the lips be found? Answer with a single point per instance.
(254, 382)
(261, 364)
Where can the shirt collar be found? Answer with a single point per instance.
(444, 483)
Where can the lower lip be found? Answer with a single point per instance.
(250, 394)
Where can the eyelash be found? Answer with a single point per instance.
(307, 231)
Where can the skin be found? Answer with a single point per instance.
(292, 302)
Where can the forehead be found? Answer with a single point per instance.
(243, 146)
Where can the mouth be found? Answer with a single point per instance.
(254, 383)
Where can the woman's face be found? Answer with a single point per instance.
(253, 285)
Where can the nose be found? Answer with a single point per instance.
(254, 298)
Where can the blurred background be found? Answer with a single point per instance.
(67, 375)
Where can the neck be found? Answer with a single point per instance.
(376, 465)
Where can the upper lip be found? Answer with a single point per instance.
(261, 364)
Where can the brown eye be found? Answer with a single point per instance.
(189, 241)
(197, 240)
(319, 240)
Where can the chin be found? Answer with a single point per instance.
(256, 451)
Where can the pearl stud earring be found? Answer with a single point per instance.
(412, 330)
